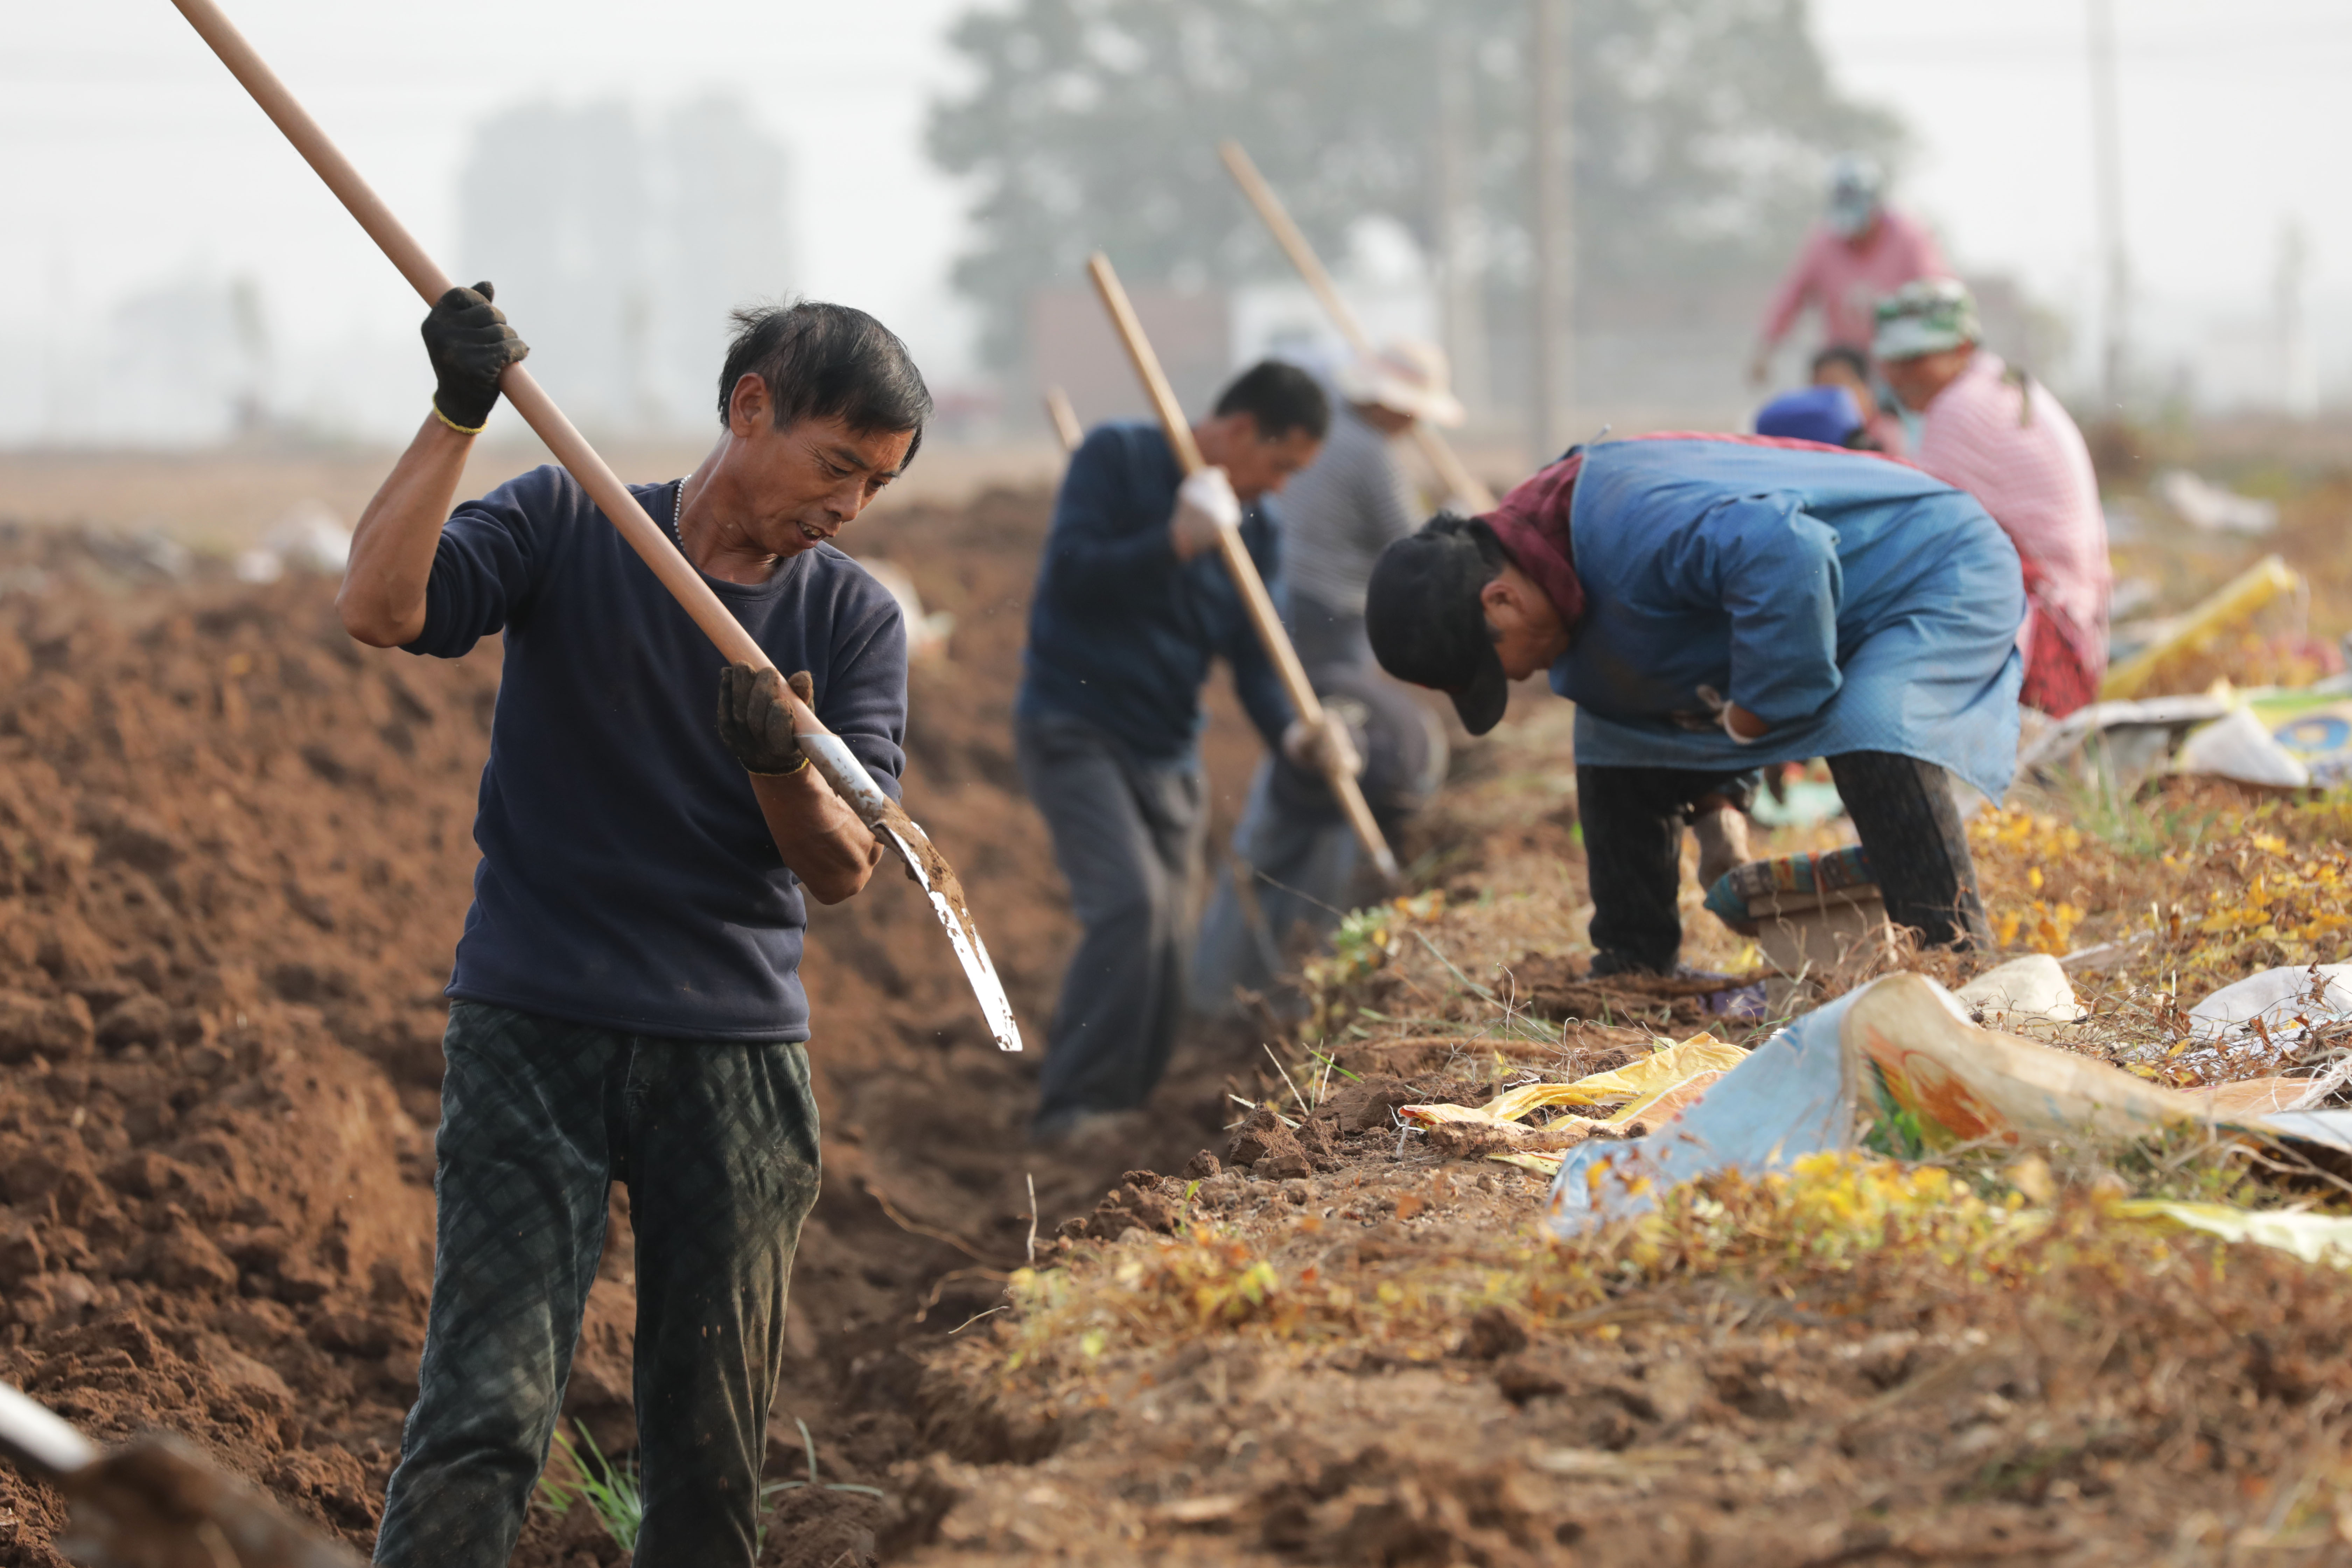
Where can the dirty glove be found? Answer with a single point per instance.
(469, 343)
(754, 722)
(1205, 507)
(1719, 712)
(1322, 748)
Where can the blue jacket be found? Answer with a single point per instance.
(1854, 603)
(1120, 633)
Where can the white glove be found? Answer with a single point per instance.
(1723, 710)
(1323, 747)
(1205, 507)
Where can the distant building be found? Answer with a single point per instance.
(619, 250)
(183, 364)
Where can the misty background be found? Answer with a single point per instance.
(171, 274)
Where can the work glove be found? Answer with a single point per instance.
(1717, 713)
(469, 343)
(754, 722)
(1322, 748)
(1205, 507)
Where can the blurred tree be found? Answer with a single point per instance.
(1700, 127)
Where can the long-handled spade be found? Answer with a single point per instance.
(155, 1501)
(1465, 486)
(834, 761)
(1236, 558)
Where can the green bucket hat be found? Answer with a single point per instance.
(1926, 317)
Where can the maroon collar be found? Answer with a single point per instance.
(1532, 523)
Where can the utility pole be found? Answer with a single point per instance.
(1552, 166)
(2298, 368)
(2106, 143)
(1461, 277)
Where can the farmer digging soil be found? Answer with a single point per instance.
(626, 1003)
(1713, 605)
(1131, 605)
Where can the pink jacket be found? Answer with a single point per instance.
(1847, 284)
(2014, 448)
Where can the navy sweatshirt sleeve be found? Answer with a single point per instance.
(1121, 634)
(484, 568)
(1105, 537)
(628, 880)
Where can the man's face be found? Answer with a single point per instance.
(803, 482)
(1526, 628)
(1256, 467)
(1917, 380)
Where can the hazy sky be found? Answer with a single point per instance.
(127, 156)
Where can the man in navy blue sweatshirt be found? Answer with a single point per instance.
(626, 1003)
(1131, 605)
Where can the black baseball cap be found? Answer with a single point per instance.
(1423, 614)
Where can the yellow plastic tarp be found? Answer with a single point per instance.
(2313, 1238)
(1673, 1075)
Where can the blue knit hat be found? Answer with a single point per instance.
(1823, 414)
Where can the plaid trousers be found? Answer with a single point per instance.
(718, 1143)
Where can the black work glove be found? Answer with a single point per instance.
(469, 342)
(753, 721)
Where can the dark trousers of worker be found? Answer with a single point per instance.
(1902, 811)
(718, 1143)
(1127, 834)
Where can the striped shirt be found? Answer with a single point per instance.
(1341, 511)
(2007, 442)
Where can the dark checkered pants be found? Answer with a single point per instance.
(718, 1142)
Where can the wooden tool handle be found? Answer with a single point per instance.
(1073, 435)
(1451, 470)
(651, 543)
(1236, 556)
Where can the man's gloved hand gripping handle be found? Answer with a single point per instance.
(1206, 508)
(470, 345)
(754, 722)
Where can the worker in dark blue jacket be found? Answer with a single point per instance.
(1131, 605)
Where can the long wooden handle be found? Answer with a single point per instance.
(1236, 557)
(537, 410)
(1064, 418)
(1450, 470)
(831, 759)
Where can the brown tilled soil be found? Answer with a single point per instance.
(234, 852)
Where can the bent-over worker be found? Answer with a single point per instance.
(1997, 433)
(1715, 604)
(627, 1002)
(1130, 606)
(1354, 500)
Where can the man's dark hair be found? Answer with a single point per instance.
(827, 362)
(1281, 398)
(1853, 359)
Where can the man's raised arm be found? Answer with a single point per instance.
(382, 601)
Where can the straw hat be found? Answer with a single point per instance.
(1407, 375)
